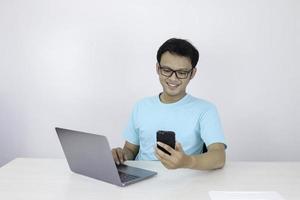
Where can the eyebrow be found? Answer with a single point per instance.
(181, 69)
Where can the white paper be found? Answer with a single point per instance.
(244, 195)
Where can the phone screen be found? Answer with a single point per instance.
(166, 137)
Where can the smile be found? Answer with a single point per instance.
(172, 85)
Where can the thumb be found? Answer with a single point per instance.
(178, 147)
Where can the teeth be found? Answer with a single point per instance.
(172, 85)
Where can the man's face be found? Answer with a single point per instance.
(174, 87)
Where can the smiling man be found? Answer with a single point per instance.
(195, 121)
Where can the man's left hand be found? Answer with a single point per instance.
(177, 159)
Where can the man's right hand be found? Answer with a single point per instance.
(119, 155)
(129, 152)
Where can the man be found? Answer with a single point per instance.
(195, 121)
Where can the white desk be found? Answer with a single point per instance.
(37, 179)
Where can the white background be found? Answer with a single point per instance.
(82, 65)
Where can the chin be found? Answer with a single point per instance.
(172, 93)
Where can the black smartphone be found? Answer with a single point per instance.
(166, 137)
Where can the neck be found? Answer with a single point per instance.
(170, 99)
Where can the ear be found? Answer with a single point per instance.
(193, 73)
(157, 68)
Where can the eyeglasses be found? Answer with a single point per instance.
(180, 74)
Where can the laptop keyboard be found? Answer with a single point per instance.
(126, 177)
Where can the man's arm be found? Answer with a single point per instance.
(128, 152)
(214, 158)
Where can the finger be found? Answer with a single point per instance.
(178, 147)
(167, 164)
(120, 155)
(115, 156)
(158, 156)
(124, 151)
(125, 157)
(166, 159)
(166, 147)
(162, 154)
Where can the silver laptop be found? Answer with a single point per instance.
(90, 155)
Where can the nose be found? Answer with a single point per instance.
(173, 76)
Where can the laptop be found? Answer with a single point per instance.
(90, 155)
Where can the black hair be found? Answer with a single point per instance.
(179, 47)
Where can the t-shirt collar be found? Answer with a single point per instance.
(179, 102)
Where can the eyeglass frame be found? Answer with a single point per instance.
(174, 71)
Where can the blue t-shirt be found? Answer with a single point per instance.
(195, 121)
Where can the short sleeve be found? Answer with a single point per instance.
(130, 133)
(210, 127)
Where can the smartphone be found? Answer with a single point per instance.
(166, 137)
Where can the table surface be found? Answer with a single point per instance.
(30, 178)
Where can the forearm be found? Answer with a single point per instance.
(214, 159)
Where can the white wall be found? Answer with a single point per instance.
(82, 65)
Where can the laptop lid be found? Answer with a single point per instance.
(90, 155)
